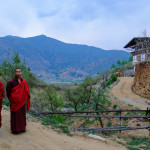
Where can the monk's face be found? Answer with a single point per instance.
(18, 73)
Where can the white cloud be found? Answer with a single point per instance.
(108, 24)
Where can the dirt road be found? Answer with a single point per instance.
(123, 92)
(39, 137)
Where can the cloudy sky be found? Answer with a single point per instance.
(107, 24)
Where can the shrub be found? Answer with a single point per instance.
(109, 124)
(109, 82)
(115, 106)
(59, 118)
(114, 78)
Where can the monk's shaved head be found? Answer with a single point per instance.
(17, 69)
(18, 72)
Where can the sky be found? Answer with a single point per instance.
(107, 24)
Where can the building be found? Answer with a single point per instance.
(139, 48)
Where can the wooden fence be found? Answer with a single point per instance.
(100, 114)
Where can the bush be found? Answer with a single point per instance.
(114, 78)
(109, 82)
(59, 118)
(115, 106)
(109, 124)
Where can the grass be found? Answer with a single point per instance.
(119, 142)
(6, 102)
(64, 129)
(55, 124)
(133, 143)
(129, 105)
(137, 141)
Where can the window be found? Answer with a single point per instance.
(143, 57)
(134, 58)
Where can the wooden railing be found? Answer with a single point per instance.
(145, 118)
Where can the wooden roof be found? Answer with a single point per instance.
(133, 41)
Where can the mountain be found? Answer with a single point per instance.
(54, 60)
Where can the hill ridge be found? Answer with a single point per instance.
(54, 60)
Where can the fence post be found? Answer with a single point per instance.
(148, 109)
(120, 121)
(149, 129)
(148, 114)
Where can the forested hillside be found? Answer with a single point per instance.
(54, 60)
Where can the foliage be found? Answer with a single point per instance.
(130, 58)
(113, 79)
(109, 82)
(113, 66)
(115, 106)
(59, 118)
(109, 124)
(39, 103)
(6, 102)
(10, 63)
(80, 94)
(119, 63)
(137, 141)
(53, 98)
(46, 99)
(134, 143)
(54, 123)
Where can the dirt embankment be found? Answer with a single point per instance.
(142, 79)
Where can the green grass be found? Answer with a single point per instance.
(121, 143)
(6, 102)
(64, 129)
(132, 148)
(133, 143)
(137, 141)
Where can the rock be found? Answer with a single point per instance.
(97, 137)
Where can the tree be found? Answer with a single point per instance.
(123, 62)
(80, 94)
(113, 66)
(73, 97)
(13, 61)
(119, 63)
(130, 58)
(53, 98)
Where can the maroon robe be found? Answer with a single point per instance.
(18, 118)
(1, 97)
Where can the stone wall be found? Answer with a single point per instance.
(141, 84)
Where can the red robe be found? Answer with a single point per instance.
(1, 97)
(18, 95)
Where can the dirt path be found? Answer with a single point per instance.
(123, 92)
(39, 137)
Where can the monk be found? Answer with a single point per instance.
(1, 98)
(18, 94)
